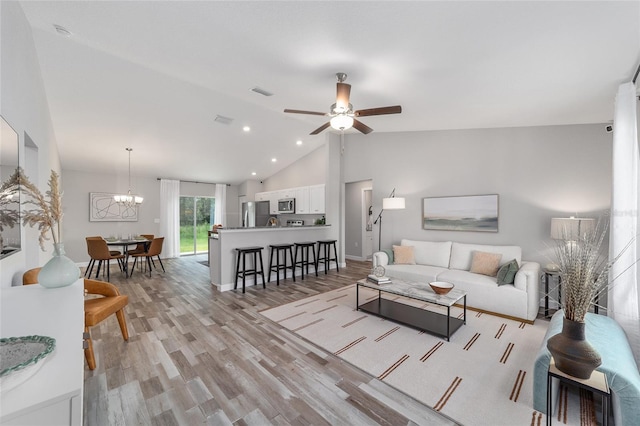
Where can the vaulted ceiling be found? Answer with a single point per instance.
(153, 75)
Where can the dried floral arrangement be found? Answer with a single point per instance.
(9, 216)
(584, 269)
(43, 211)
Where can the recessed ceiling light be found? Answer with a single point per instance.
(62, 30)
(246, 128)
(273, 160)
(298, 142)
(253, 173)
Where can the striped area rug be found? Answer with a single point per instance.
(483, 376)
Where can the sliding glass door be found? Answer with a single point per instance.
(196, 217)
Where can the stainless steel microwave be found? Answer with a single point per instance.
(287, 205)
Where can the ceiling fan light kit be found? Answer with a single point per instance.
(342, 113)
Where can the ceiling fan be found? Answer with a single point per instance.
(342, 115)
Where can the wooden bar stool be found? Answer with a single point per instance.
(304, 262)
(277, 249)
(242, 252)
(324, 249)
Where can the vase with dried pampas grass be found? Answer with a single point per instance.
(584, 273)
(45, 212)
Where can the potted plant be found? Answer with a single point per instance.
(45, 212)
(584, 273)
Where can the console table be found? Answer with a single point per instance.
(53, 395)
(422, 319)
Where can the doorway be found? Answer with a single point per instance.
(358, 230)
(197, 214)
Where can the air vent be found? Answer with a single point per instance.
(62, 30)
(223, 120)
(261, 91)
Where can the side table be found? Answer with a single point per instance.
(597, 383)
(548, 274)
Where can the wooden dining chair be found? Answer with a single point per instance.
(96, 310)
(154, 250)
(99, 250)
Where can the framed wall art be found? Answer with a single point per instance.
(103, 208)
(462, 213)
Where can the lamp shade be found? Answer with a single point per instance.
(571, 228)
(394, 203)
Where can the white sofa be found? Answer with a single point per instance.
(451, 261)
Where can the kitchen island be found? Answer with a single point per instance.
(222, 254)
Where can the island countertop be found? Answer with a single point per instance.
(222, 253)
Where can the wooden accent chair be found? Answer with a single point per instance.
(99, 250)
(89, 269)
(95, 309)
(154, 250)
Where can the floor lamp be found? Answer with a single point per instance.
(390, 203)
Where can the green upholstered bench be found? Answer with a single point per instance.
(618, 363)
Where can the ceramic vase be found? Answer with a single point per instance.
(572, 353)
(59, 271)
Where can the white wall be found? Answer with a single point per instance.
(309, 170)
(23, 104)
(538, 172)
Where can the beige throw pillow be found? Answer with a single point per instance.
(403, 255)
(485, 263)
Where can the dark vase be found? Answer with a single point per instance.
(571, 352)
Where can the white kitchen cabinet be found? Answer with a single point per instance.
(262, 196)
(274, 196)
(302, 200)
(316, 199)
(53, 395)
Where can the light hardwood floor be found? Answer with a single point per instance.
(198, 356)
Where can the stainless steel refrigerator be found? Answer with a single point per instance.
(255, 213)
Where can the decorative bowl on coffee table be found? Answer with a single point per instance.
(441, 287)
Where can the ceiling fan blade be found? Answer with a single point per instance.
(321, 128)
(342, 97)
(299, 111)
(396, 109)
(359, 125)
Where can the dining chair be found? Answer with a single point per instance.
(141, 247)
(96, 309)
(154, 250)
(89, 269)
(99, 250)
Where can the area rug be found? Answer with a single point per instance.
(482, 376)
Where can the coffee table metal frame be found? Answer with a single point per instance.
(422, 319)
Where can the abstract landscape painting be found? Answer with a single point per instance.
(463, 213)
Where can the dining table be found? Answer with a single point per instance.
(125, 243)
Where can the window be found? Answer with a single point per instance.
(197, 214)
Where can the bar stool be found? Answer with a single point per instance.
(304, 254)
(324, 249)
(284, 248)
(242, 252)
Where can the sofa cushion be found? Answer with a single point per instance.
(485, 263)
(430, 252)
(461, 254)
(403, 255)
(507, 273)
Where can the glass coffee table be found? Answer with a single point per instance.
(422, 319)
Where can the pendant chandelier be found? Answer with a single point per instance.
(128, 200)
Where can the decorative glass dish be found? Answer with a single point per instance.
(22, 357)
